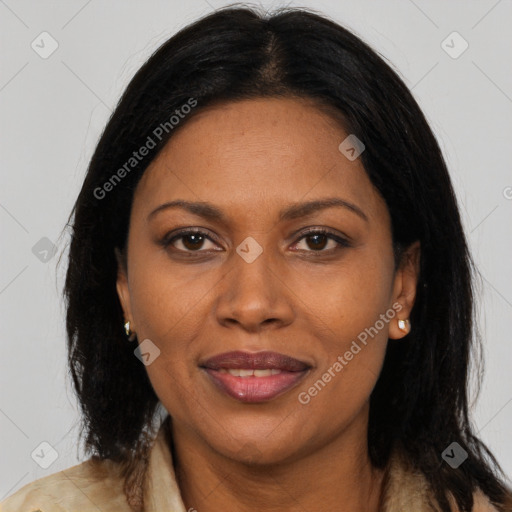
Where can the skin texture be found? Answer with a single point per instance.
(304, 297)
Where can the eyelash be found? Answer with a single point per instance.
(342, 242)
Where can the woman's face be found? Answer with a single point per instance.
(251, 281)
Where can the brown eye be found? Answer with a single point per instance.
(193, 241)
(317, 241)
(189, 241)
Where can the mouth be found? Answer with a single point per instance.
(254, 377)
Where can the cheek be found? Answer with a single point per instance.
(167, 301)
(351, 297)
(168, 306)
(340, 391)
(357, 311)
(352, 361)
(172, 385)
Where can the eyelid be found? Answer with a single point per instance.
(341, 239)
(319, 229)
(179, 233)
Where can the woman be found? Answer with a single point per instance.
(269, 216)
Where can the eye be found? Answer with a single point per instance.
(316, 240)
(190, 240)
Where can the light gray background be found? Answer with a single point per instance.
(53, 111)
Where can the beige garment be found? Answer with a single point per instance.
(98, 487)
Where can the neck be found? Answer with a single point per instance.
(338, 476)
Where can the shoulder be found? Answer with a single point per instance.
(406, 488)
(482, 503)
(92, 485)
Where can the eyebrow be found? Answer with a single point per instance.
(290, 212)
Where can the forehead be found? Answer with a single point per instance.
(254, 156)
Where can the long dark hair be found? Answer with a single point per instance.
(420, 402)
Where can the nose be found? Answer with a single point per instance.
(254, 296)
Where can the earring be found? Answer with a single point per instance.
(129, 333)
(404, 325)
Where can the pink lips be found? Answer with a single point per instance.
(285, 371)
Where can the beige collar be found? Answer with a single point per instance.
(161, 491)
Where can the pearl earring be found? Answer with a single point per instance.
(404, 325)
(129, 333)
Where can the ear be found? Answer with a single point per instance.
(404, 289)
(123, 291)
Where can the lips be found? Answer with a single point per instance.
(255, 361)
(254, 377)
